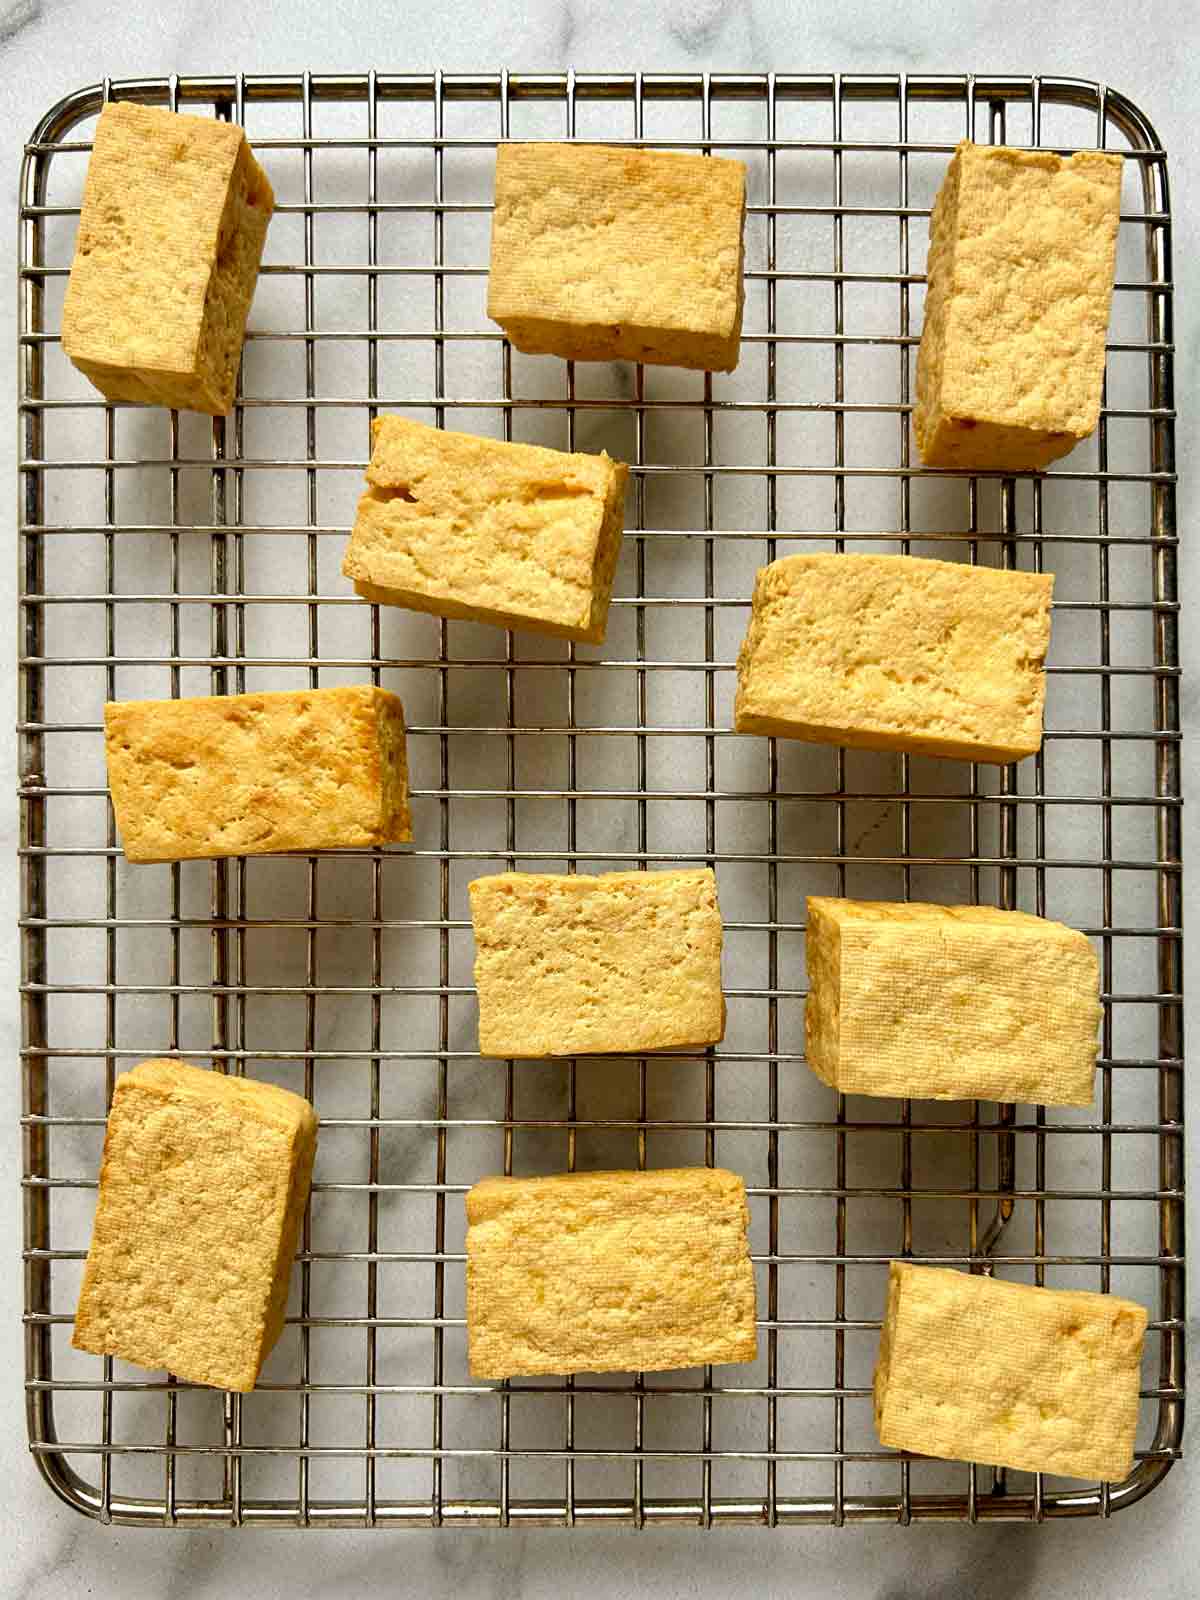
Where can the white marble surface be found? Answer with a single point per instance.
(48, 47)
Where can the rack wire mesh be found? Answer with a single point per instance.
(162, 553)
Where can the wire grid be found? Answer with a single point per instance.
(167, 554)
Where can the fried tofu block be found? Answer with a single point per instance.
(601, 254)
(202, 1191)
(1022, 248)
(930, 1002)
(1008, 1375)
(175, 212)
(576, 964)
(253, 774)
(507, 533)
(897, 653)
(608, 1272)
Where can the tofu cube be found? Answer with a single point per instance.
(574, 964)
(897, 653)
(929, 1002)
(601, 254)
(608, 1272)
(254, 774)
(1022, 248)
(512, 534)
(202, 1191)
(175, 212)
(1008, 1375)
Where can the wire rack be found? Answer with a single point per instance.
(168, 554)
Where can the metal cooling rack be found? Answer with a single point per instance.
(166, 554)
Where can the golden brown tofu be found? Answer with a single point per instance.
(575, 964)
(491, 532)
(608, 1272)
(1008, 1375)
(253, 774)
(175, 212)
(202, 1191)
(600, 254)
(1022, 247)
(930, 1002)
(897, 653)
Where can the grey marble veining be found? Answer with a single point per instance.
(17, 15)
(48, 47)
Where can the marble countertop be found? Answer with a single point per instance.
(47, 48)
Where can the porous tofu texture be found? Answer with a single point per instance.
(608, 1272)
(897, 653)
(175, 212)
(601, 254)
(1022, 248)
(931, 1002)
(512, 534)
(575, 964)
(253, 774)
(972, 1368)
(202, 1190)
